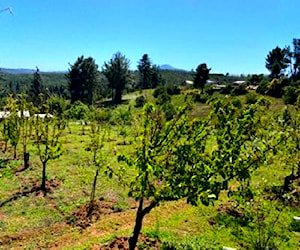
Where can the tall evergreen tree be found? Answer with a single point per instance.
(145, 70)
(36, 89)
(277, 61)
(156, 77)
(82, 77)
(296, 57)
(118, 75)
(149, 73)
(201, 76)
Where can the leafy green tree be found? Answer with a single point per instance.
(289, 126)
(82, 78)
(13, 124)
(175, 158)
(256, 79)
(47, 141)
(201, 76)
(277, 61)
(97, 135)
(36, 89)
(25, 108)
(118, 75)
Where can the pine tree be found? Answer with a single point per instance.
(83, 78)
(36, 89)
(118, 75)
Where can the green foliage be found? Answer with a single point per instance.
(275, 88)
(173, 159)
(118, 75)
(121, 116)
(158, 91)
(295, 225)
(48, 131)
(172, 89)
(140, 101)
(58, 106)
(265, 230)
(78, 111)
(290, 94)
(227, 90)
(36, 89)
(150, 75)
(251, 98)
(236, 103)
(277, 61)
(201, 76)
(202, 98)
(256, 79)
(12, 123)
(263, 87)
(163, 98)
(239, 90)
(83, 79)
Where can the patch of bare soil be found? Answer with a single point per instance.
(230, 209)
(122, 243)
(86, 214)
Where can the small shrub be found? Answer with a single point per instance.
(251, 98)
(58, 105)
(262, 101)
(295, 225)
(263, 87)
(140, 101)
(236, 103)
(159, 91)
(100, 114)
(121, 116)
(163, 99)
(227, 90)
(173, 89)
(239, 90)
(169, 111)
(78, 111)
(202, 98)
(290, 95)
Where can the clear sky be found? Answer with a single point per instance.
(229, 35)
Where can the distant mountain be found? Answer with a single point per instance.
(169, 67)
(17, 71)
(27, 71)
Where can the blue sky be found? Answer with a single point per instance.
(230, 36)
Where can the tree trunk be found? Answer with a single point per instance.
(15, 152)
(118, 96)
(289, 179)
(26, 160)
(43, 185)
(138, 223)
(93, 192)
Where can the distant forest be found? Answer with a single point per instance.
(57, 83)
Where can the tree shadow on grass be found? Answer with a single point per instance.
(36, 188)
(3, 162)
(19, 195)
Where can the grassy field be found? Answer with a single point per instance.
(30, 220)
